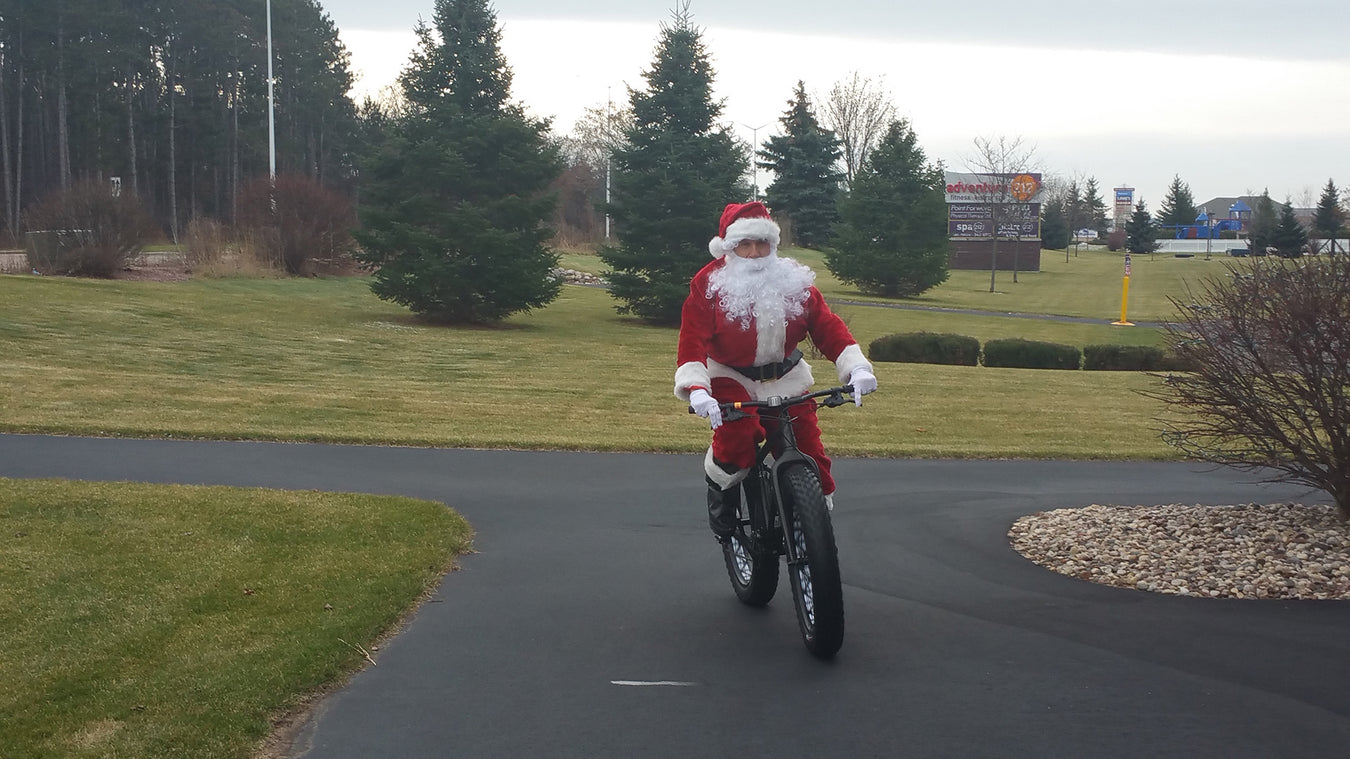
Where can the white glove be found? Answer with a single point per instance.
(863, 382)
(706, 406)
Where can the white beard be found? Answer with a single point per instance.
(770, 290)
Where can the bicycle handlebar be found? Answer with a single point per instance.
(834, 397)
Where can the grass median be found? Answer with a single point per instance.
(170, 621)
(324, 360)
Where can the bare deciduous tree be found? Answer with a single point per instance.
(858, 111)
(996, 159)
(1270, 386)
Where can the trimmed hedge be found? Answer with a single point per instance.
(1122, 358)
(1015, 353)
(926, 348)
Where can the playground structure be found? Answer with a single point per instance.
(1207, 227)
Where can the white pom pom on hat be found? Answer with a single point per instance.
(743, 221)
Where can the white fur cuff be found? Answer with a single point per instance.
(718, 475)
(849, 359)
(691, 374)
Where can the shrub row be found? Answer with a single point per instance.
(934, 348)
(1016, 353)
(926, 348)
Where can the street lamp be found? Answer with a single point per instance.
(271, 105)
(754, 167)
(1203, 218)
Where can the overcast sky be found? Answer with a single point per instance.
(1232, 96)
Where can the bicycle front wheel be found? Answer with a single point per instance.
(816, 588)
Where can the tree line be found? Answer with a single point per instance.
(169, 99)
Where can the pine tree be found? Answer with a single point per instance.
(1055, 232)
(892, 235)
(806, 184)
(1329, 221)
(1178, 207)
(1140, 231)
(1096, 207)
(1290, 238)
(1262, 228)
(454, 203)
(673, 176)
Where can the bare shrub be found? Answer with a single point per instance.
(211, 250)
(1115, 240)
(1270, 390)
(300, 225)
(87, 231)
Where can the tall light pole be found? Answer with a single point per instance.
(609, 150)
(271, 104)
(754, 167)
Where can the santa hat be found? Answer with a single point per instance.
(743, 221)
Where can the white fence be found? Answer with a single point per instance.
(1221, 247)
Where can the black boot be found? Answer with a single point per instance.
(722, 508)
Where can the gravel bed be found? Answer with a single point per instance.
(1280, 550)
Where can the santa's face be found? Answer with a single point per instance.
(753, 248)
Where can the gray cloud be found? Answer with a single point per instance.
(1297, 29)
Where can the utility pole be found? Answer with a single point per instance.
(609, 150)
(271, 105)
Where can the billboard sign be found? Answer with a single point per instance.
(1019, 187)
(1124, 200)
(1023, 229)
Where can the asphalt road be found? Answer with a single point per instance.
(595, 620)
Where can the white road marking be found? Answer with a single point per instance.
(669, 683)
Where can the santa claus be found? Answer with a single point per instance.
(746, 313)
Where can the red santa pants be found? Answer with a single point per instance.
(734, 442)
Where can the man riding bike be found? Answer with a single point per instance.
(746, 313)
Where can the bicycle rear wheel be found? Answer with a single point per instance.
(816, 589)
(751, 565)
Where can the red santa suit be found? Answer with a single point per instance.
(741, 346)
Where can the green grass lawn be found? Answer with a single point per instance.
(1086, 285)
(324, 360)
(168, 621)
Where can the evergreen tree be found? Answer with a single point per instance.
(1329, 221)
(892, 235)
(1178, 207)
(1290, 238)
(1096, 207)
(1261, 229)
(455, 202)
(169, 97)
(1140, 231)
(671, 179)
(1055, 232)
(806, 184)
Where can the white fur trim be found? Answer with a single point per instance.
(691, 374)
(795, 382)
(719, 475)
(849, 359)
(757, 228)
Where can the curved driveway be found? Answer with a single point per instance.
(595, 619)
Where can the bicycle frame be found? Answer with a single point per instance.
(782, 438)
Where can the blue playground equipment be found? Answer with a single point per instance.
(1207, 227)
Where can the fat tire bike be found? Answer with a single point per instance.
(782, 512)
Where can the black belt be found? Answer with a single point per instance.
(765, 372)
